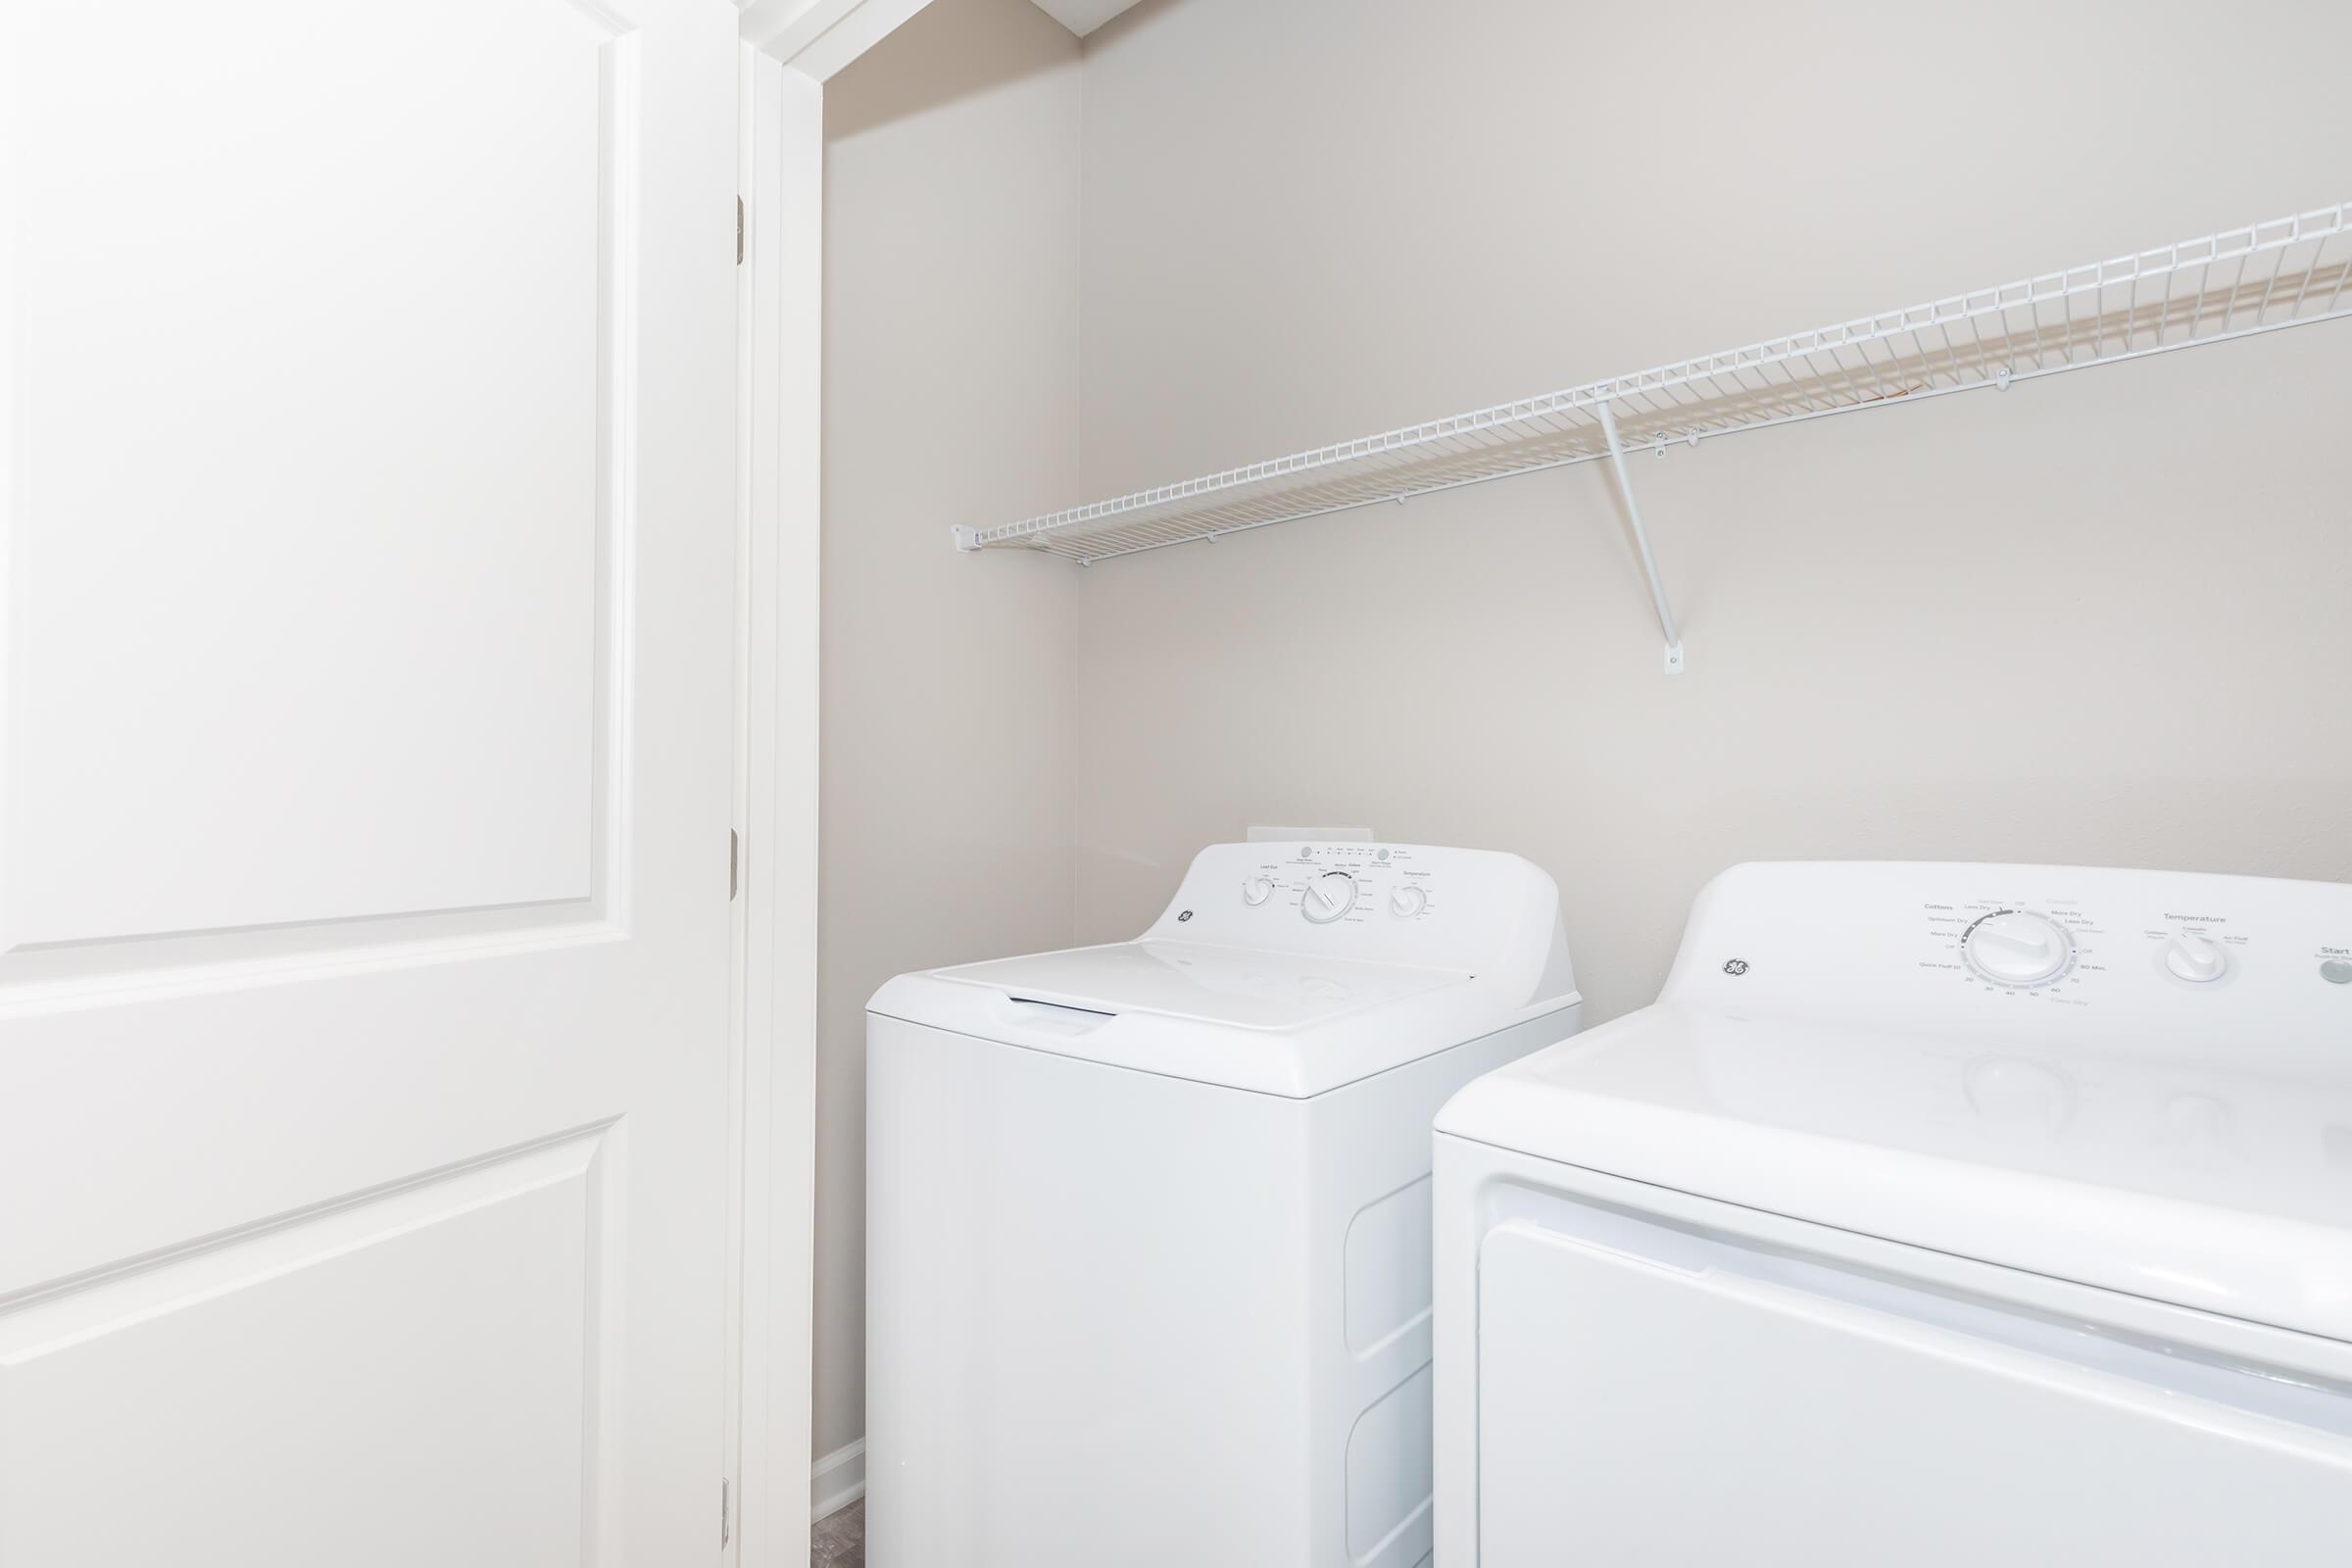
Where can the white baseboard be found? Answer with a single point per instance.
(837, 1480)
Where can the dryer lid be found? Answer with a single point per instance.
(2225, 1191)
(1828, 1050)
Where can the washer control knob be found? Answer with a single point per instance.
(2015, 948)
(1255, 891)
(1328, 897)
(1407, 902)
(2195, 958)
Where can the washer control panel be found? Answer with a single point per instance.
(1325, 885)
(1416, 904)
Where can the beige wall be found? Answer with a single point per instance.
(2095, 618)
(951, 395)
(2098, 618)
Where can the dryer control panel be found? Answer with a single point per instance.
(2161, 1033)
(2146, 960)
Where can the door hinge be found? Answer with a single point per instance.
(724, 1535)
(734, 864)
(738, 231)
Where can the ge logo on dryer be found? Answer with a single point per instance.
(1735, 966)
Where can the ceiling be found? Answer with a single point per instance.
(1083, 16)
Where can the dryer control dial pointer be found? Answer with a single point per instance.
(2015, 948)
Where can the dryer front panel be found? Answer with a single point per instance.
(1653, 1392)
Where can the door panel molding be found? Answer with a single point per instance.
(425, 567)
(38, 1319)
(511, 1378)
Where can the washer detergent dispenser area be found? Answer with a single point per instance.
(1147, 1250)
(1935, 1214)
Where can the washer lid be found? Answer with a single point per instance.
(1279, 1023)
(1242, 987)
(2211, 1185)
(1407, 949)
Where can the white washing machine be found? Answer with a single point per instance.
(1148, 1225)
(1934, 1215)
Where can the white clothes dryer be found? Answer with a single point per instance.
(1937, 1215)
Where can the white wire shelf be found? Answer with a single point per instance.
(2289, 271)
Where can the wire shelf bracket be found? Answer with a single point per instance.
(2237, 283)
(1649, 562)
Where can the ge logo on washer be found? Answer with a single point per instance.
(1185, 916)
(1735, 966)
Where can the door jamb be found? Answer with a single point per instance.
(790, 48)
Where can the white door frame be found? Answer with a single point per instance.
(790, 49)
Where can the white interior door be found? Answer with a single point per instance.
(367, 428)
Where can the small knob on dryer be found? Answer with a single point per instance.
(2196, 959)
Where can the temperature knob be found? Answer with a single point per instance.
(1328, 897)
(2015, 948)
(2195, 959)
(1255, 891)
(1407, 902)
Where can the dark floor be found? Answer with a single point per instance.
(839, 1540)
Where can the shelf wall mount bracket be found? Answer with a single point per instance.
(1649, 562)
(966, 539)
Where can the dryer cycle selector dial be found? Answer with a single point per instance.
(2015, 947)
(1329, 895)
